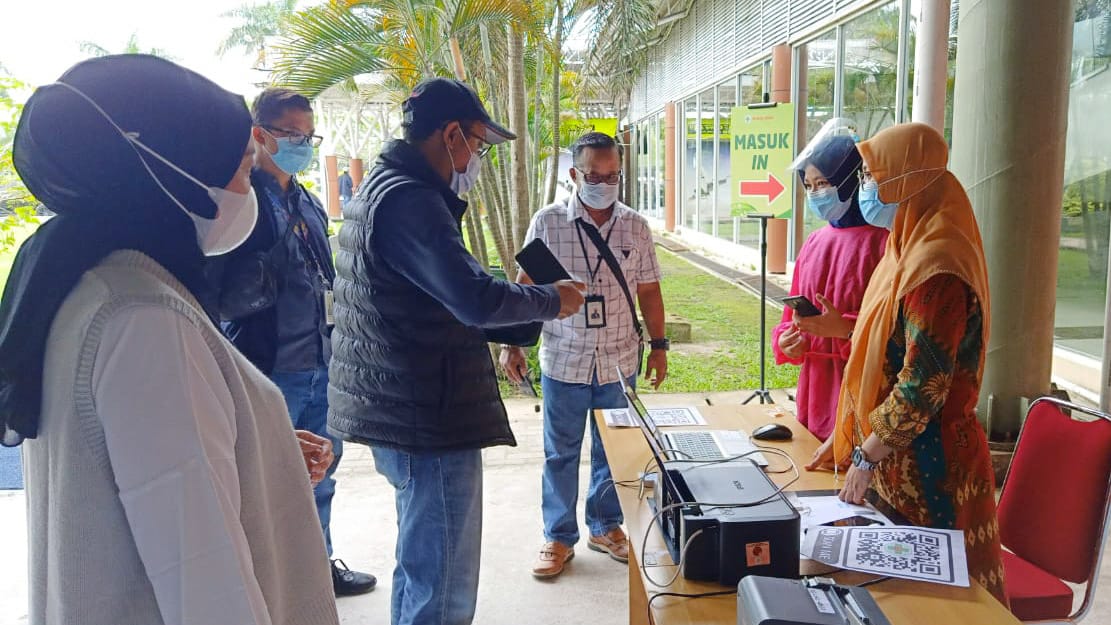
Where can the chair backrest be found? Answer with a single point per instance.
(1055, 498)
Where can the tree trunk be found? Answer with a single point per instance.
(557, 72)
(518, 123)
(498, 229)
(536, 173)
(470, 222)
(457, 59)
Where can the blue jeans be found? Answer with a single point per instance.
(306, 396)
(439, 534)
(567, 408)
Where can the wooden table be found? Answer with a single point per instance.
(904, 602)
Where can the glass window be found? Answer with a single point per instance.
(912, 37)
(689, 197)
(1085, 217)
(752, 85)
(706, 161)
(642, 167)
(871, 52)
(661, 156)
(724, 191)
(747, 231)
(818, 59)
(821, 64)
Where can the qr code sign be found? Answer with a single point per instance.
(917, 554)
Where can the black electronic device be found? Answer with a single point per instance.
(725, 533)
(854, 521)
(814, 601)
(773, 432)
(801, 305)
(541, 264)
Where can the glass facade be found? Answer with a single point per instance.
(1085, 214)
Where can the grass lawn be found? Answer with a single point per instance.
(725, 334)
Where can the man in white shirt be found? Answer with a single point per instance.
(580, 355)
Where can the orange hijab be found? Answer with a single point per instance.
(934, 232)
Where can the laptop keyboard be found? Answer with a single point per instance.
(695, 445)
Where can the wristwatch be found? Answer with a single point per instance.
(861, 462)
(663, 344)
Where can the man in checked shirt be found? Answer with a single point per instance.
(579, 355)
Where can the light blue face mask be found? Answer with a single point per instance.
(291, 158)
(875, 211)
(826, 204)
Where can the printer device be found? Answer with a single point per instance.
(712, 513)
(814, 601)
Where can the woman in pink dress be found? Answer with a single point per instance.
(832, 271)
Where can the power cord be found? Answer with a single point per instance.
(700, 595)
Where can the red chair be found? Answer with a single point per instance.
(1053, 512)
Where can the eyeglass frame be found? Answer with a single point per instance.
(611, 179)
(296, 137)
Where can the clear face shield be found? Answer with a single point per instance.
(826, 151)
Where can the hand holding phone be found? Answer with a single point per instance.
(801, 305)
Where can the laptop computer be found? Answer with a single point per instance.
(692, 444)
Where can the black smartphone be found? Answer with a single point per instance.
(801, 305)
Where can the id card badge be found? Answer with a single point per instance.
(329, 308)
(595, 310)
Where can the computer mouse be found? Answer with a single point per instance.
(773, 432)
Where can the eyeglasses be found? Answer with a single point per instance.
(864, 176)
(613, 178)
(484, 150)
(296, 137)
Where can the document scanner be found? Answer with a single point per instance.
(815, 601)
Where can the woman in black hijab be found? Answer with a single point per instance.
(832, 271)
(164, 483)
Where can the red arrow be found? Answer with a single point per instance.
(771, 189)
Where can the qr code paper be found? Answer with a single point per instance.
(909, 553)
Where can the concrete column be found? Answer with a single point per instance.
(780, 91)
(1009, 125)
(781, 73)
(356, 172)
(931, 60)
(669, 166)
(331, 186)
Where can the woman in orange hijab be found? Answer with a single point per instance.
(906, 418)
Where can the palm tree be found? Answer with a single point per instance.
(258, 23)
(408, 40)
(131, 47)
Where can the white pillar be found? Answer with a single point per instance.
(931, 59)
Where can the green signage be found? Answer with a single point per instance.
(759, 154)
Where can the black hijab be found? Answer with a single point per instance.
(77, 164)
(839, 161)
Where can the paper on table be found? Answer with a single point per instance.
(907, 552)
(663, 417)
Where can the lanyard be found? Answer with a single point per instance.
(301, 231)
(597, 266)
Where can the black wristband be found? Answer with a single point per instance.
(663, 344)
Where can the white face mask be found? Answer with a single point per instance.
(236, 213)
(463, 182)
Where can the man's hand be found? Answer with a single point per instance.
(831, 323)
(317, 452)
(656, 371)
(514, 363)
(571, 297)
(792, 343)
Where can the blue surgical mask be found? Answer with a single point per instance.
(826, 204)
(291, 158)
(462, 182)
(875, 211)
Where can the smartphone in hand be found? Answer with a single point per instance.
(801, 305)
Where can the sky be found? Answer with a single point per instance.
(40, 39)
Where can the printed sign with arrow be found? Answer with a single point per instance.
(761, 149)
(769, 189)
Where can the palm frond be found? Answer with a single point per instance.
(326, 45)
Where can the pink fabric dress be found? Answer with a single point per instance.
(836, 262)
